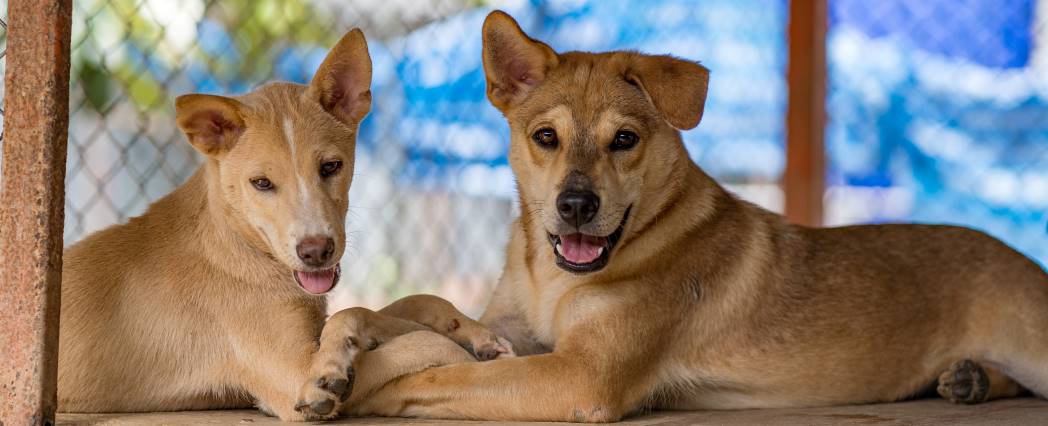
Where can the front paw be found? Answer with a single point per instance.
(491, 347)
(323, 394)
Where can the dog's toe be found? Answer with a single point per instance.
(965, 382)
(338, 387)
(486, 353)
(504, 348)
(321, 409)
(491, 347)
(319, 398)
(319, 403)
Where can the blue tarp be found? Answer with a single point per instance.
(446, 123)
(938, 97)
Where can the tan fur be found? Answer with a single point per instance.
(193, 305)
(707, 301)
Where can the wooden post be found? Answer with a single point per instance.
(805, 179)
(36, 119)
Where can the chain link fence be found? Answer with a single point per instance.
(433, 196)
(938, 112)
(132, 57)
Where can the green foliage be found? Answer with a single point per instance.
(113, 37)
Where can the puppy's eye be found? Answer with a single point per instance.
(262, 184)
(545, 137)
(624, 140)
(330, 168)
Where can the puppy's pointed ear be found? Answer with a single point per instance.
(212, 123)
(513, 62)
(675, 86)
(342, 84)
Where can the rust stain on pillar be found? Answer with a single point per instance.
(36, 118)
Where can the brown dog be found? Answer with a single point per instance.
(212, 298)
(639, 282)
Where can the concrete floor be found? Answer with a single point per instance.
(1019, 411)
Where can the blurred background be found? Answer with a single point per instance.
(937, 111)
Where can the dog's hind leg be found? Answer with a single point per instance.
(1029, 367)
(1028, 363)
(1018, 335)
(968, 382)
(442, 317)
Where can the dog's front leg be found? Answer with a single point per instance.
(271, 368)
(548, 387)
(602, 368)
(346, 335)
(441, 316)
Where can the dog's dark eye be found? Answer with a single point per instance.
(545, 137)
(330, 168)
(262, 184)
(624, 140)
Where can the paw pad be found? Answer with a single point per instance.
(335, 386)
(315, 408)
(965, 382)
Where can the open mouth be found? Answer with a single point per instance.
(581, 253)
(318, 282)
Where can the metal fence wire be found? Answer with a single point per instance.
(918, 128)
(938, 112)
(131, 58)
(433, 196)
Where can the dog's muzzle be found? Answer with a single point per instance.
(580, 253)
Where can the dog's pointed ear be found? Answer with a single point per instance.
(211, 123)
(342, 84)
(675, 86)
(513, 62)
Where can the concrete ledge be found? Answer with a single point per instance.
(1019, 411)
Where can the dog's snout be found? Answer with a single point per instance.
(316, 250)
(577, 207)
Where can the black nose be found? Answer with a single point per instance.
(315, 251)
(577, 207)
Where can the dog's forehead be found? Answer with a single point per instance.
(282, 117)
(274, 104)
(590, 86)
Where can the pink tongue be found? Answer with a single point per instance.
(316, 282)
(581, 249)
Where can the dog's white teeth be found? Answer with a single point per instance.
(557, 248)
(600, 251)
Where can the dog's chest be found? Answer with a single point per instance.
(544, 309)
(564, 303)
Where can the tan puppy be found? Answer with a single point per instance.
(212, 298)
(643, 284)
